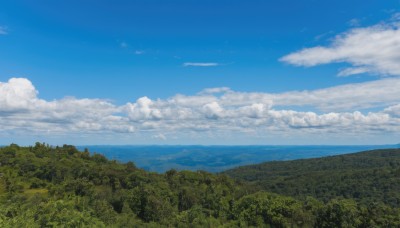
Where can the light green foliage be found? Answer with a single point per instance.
(266, 208)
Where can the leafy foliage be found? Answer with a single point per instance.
(43, 186)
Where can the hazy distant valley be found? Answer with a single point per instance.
(217, 158)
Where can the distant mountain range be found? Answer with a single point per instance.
(217, 158)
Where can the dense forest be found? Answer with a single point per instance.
(45, 186)
(367, 177)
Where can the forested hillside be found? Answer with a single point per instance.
(44, 186)
(367, 177)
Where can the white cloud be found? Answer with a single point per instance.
(352, 71)
(160, 136)
(17, 94)
(212, 111)
(347, 97)
(3, 30)
(191, 64)
(143, 109)
(393, 111)
(215, 90)
(20, 108)
(374, 49)
(378, 93)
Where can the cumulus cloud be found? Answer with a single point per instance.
(143, 109)
(211, 110)
(393, 111)
(21, 108)
(191, 64)
(374, 49)
(17, 94)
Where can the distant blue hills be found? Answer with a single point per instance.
(217, 158)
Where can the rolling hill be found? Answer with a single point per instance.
(368, 177)
(45, 186)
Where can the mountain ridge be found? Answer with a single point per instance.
(348, 176)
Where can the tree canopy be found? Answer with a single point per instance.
(367, 177)
(45, 186)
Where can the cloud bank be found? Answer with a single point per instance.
(210, 111)
(374, 49)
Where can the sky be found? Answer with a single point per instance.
(212, 72)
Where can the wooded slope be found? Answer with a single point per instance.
(367, 177)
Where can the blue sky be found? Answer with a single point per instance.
(108, 55)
